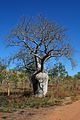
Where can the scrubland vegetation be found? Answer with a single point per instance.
(16, 89)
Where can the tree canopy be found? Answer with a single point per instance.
(58, 70)
(38, 40)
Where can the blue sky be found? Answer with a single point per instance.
(65, 12)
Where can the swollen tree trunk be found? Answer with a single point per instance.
(40, 84)
(40, 80)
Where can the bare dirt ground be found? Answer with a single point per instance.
(66, 112)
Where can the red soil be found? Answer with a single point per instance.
(67, 112)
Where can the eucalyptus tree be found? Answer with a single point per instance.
(38, 39)
(58, 70)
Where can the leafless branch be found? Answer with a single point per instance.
(41, 38)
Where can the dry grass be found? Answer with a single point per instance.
(59, 92)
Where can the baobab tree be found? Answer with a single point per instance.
(38, 39)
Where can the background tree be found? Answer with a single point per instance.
(58, 70)
(38, 40)
(3, 67)
(77, 76)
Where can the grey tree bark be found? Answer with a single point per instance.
(40, 81)
(40, 84)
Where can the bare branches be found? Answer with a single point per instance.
(40, 38)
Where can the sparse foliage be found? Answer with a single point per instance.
(38, 40)
(77, 76)
(58, 70)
